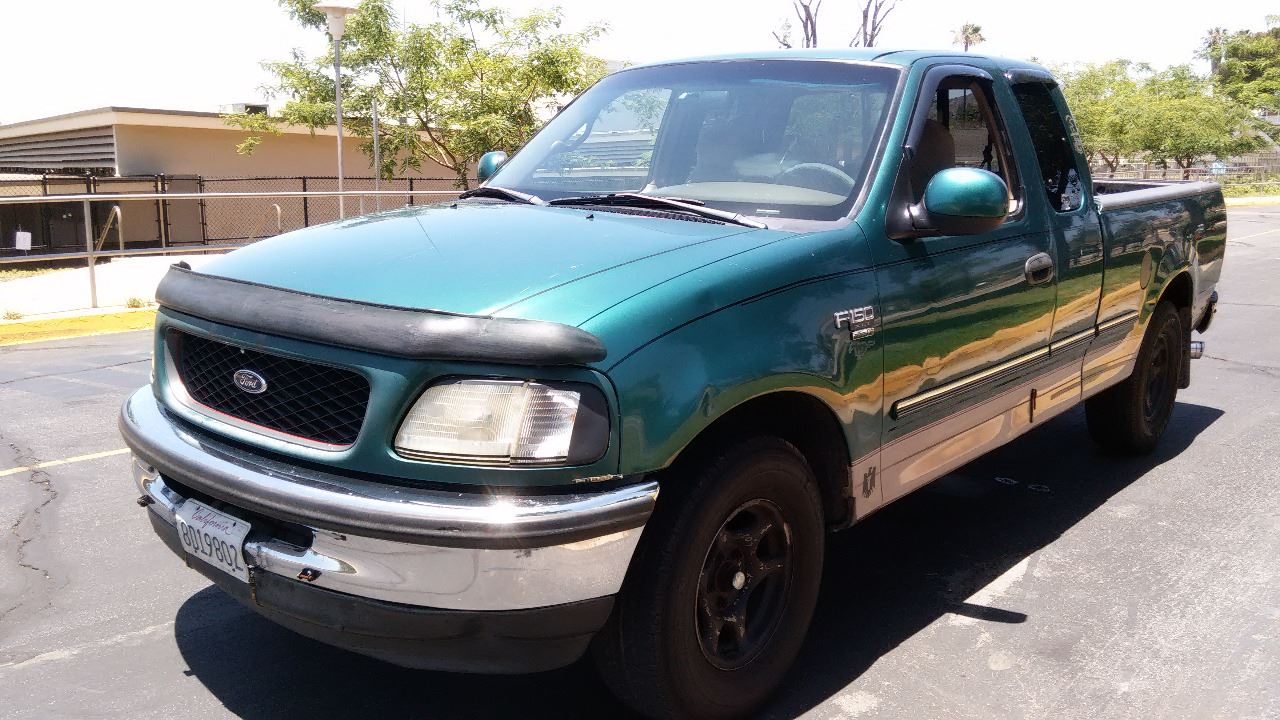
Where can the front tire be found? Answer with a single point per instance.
(722, 588)
(1131, 416)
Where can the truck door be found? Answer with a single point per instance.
(1061, 174)
(966, 319)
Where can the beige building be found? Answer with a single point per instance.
(138, 141)
(119, 149)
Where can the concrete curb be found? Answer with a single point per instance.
(21, 332)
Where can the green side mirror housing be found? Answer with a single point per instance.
(489, 164)
(962, 201)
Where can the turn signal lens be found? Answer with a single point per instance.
(490, 421)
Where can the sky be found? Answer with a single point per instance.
(59, 56)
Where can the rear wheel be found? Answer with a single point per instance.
(722, 588)
(1132, 416)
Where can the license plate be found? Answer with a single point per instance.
(214, 537)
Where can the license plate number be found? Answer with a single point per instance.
(213, 537)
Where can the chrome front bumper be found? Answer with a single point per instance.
(411, 546)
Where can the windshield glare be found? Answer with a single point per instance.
(780, 138)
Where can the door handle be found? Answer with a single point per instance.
(1039, 269)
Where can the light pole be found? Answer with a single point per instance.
(337, 11)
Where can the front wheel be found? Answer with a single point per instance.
(722, 588)
(1131, 416)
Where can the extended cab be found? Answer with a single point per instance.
(617, 396)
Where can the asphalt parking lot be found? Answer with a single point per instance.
(1045, 580)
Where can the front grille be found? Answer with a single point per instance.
(314, 402)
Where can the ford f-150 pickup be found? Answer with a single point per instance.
(612, 400)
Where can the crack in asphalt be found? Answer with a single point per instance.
(74, 372)
(27, 527)
(1268, 370)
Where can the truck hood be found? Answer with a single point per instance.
(485, 258)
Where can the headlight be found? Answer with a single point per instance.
(506, 422)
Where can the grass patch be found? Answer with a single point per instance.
(19, 273)
(1251, 190)
(56, 328)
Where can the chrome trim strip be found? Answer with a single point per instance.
(438, 577)
(1066, 342)
(914, 402)
(342, 503)
(1117, 320)
(907, 405)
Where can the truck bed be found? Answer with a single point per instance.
(1142, 221)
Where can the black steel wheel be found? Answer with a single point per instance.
(1132, 416)
(742, 590)
(721, 590)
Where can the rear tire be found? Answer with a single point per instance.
(1131, 416)
(722, 588)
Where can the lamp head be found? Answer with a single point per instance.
(336, 11)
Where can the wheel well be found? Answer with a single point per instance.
(802, 420)
(1178, 291)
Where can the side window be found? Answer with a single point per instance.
(1058, 171)
(962, 129)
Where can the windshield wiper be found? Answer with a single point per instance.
(501, 193)
(657, 202)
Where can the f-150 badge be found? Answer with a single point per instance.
(861, 321)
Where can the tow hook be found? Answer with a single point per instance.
(145, 500)
(1197, 349)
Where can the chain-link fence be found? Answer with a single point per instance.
(230, 219)
(1244, 171)
(52, 228)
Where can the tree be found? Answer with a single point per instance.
(1102, 97)
(475, 80)
(1214, 48)
(1125, 110)
(1177, 118)
(969, 35)
(1249, 68)
(807, 12)
(874, 14)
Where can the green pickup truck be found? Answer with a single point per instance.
(612, 400)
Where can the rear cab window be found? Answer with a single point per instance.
(1059, 173)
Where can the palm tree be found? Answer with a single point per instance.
(969, 35)
(1214, 48)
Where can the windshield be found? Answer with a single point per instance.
(780, 138)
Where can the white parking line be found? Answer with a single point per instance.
(127, 639)
(63, 461)
(1246, 237)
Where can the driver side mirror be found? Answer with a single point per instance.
(489, 164)
(962, 201)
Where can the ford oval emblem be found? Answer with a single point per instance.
(250, 382)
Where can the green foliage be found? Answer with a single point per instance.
(477, 79)
(1125, 110)
(1102, 98)
(1248, 69)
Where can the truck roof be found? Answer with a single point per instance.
(888, 56)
